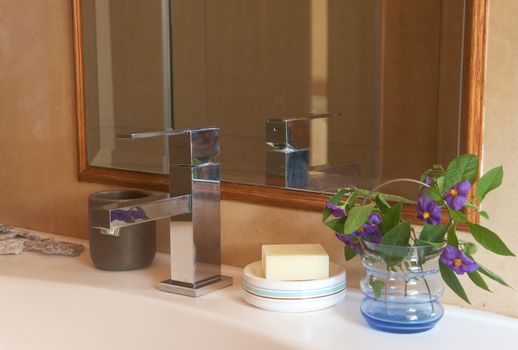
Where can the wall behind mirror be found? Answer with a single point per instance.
(391, 69)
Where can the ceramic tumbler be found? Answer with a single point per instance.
(135, 246)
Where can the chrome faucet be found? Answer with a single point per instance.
(193, 205)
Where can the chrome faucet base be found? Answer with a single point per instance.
(204, 288)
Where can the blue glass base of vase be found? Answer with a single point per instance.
(397, 321)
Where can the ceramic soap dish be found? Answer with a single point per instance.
(293, 296)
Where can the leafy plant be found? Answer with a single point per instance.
(358, 216)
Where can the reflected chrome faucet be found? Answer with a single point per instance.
(193, 204)
(288, 163)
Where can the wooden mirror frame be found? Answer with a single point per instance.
(471, 133)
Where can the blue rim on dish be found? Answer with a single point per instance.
(294, 294)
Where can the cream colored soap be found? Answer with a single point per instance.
(295, 262)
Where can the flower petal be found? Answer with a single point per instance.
(337, 211)
(463, 187)
(458, 202)
(374, 219)
(348, 241)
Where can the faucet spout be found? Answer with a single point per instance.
(110, 218)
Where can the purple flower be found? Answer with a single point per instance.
(337, 211)
(376, 238)
(428, 211)
(370, 228)
(348, 241)
(428, 181)
(375, 219)
(457, 261)
(457, 196)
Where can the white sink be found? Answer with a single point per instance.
(51, 302)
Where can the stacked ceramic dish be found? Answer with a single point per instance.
(293, 296)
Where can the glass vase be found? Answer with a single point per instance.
(402, 287)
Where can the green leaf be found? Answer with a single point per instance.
(357, 216)
(381, 203)
(336, 225)
(478, 280)
(489, 181)
(452, 281)
(452, 238)
(440, 182)
(434, 194)
(377, 286)
(433, 233)
(349, 253)
(484, 214)
(457, 216)
(420, 242)
(432, 238)
(351, 201)
(326, 214)
(394, 239)
(389, 197)
(337, 198)
(491, 275)
(392, 217)
(461, 168)
(489, 240)
(398, 235)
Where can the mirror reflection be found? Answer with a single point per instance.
(370, 88)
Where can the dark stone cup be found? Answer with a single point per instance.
(136, 245)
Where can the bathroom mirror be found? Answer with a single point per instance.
(403, 81)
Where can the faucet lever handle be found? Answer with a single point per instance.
(166, 132)
(292, 131)
(186, 146)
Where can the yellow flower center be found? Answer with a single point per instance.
(457, 262)
(426, 215)
(454, 192)
(360, 229)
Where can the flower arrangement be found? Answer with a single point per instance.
(378, 219)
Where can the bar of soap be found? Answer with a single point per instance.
(295, 262)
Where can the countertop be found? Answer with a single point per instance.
(60, 302)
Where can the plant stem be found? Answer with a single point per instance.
(414, 236)
(361, 244)
(427, 288)
(405, 279)
(386, 291)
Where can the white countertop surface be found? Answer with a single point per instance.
(59, 302)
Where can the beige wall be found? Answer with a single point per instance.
(501, 147)
(38, 154)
